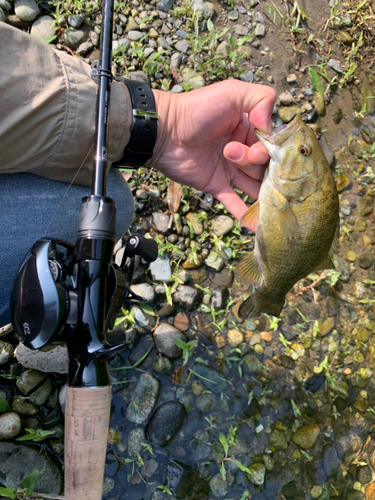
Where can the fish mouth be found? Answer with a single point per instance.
(279, 136)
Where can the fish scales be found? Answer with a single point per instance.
(296, 219)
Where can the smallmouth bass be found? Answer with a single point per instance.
(296, 219)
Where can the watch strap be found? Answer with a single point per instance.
(145, 125)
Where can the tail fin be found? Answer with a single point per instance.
(258, 303)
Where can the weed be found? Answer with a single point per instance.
(26, 487)
(187, 348)
(36, 435)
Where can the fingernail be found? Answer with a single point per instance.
(235, 153)
(263, 158)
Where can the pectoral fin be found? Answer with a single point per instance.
(250, 218)
(287, 221)
(248, 271)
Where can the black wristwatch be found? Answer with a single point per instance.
(145, 125)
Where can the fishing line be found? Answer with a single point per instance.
(66, 192)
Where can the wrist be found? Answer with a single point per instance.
(164, 105)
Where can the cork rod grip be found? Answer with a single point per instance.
(87, 415)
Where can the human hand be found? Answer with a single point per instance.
(206, 139)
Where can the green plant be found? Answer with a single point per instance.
(226, 442)
(26, 487)
(165, 487)
(36, 435)
(187, 348)
(4, 405)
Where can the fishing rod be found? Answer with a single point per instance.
(71, 294)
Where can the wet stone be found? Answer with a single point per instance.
(160, 270)
(163, 365)
(362, 334)
(306, 436)
(257, 473)
(366, 260)
(6, 352)
(144, 399)
(185, 296)
(164, 336)
(222, 224)
(235, 337)
(193, 262)
(135, 437)
(17, 461)
(365, 204)
(144, 323)
(251, 364)
(364, 474)
(355, 495)
(370, 491)
(185, 482)
(326, 326)
(145, 291)
(196, 223)
(10, 425)
(278, 439)
(214, 261)
(223, 278)
(212, 379)
(205, 402)
(165, 423)
(24, 407)
(219, 486)
(30, 379)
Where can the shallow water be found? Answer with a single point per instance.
(299, 393)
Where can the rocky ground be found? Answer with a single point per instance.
(206, 406)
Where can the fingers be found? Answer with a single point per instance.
(251, 160)
(232, 202)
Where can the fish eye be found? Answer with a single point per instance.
(305, 150)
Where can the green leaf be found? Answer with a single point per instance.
(29, 482)
(147, 309)
(222, 471)
(242, 467)
(50, 39)
(316, 81)
(7, 492)
(224, 443)
(180, 343)
(4, 405)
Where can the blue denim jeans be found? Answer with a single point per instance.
(32, 207)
